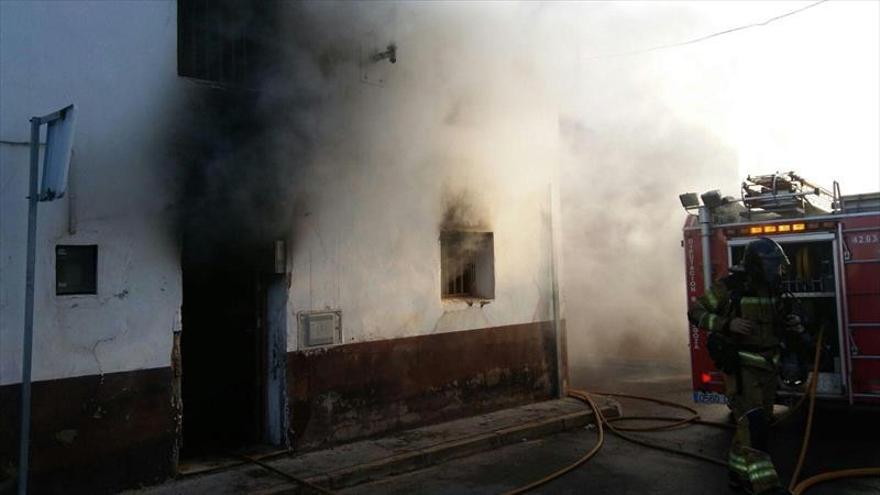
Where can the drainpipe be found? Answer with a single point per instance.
(706, 231)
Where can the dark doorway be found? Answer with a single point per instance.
(233, 339)
(232, 334)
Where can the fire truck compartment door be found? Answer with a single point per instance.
(860, 279)
(831, 292)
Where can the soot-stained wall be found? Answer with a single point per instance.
(458, 134)
(359, 165)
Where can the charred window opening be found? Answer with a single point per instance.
(76, 270)
(219, 40)
(467, 265)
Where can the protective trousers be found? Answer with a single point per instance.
(752, 404)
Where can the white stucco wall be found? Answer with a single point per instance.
(461, 113)
(464, 111)
(117, 62)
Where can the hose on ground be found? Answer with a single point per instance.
(288, 476)
(675, 423)
(803, 486)
(694, 418)
(805, 443)
(602, 423)
(589, 455)
(799, 488)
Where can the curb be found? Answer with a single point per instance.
(423, 458)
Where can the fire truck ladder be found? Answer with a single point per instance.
(856, 358)
(787, 195)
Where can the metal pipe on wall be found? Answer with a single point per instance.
(561, 381)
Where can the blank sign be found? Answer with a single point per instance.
(59, 143)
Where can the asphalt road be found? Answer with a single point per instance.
(842, 438)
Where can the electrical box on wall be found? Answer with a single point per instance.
(320, 328)
(76, 270)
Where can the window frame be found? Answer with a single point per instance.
(481, 286)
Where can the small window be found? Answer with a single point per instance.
(76, 270)
(467, 265)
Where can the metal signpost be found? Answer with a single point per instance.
(56, 163)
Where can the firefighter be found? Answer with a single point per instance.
(745, 316)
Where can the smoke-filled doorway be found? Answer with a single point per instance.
(233, 213)
(233, 351)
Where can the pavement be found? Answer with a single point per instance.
(375, 459)
(502, 451)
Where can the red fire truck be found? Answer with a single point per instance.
(833, 243)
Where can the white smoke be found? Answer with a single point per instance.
(487, 98)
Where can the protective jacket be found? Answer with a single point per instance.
(734, 297)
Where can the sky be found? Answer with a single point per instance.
(800, 93)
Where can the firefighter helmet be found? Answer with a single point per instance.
(765, 259)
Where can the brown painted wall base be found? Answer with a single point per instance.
(357, 390)
(93, 434)
(97, 434)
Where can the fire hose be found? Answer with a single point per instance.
(694, 418)
(803, 486)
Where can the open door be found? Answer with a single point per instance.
(275, 390)
(813, 281)
(233, 349)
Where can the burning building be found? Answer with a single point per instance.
(290, 225)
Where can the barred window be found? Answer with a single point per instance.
(467, 265)
(216, 40)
